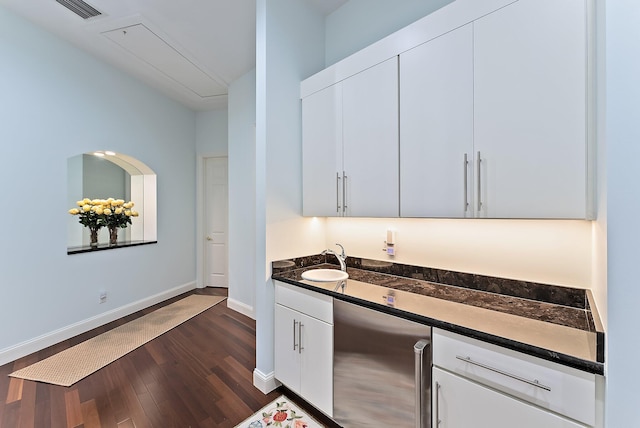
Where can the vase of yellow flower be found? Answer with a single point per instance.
(117, 215)
(97, 213)
(89, 218)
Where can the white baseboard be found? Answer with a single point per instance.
(265, 382)
(30, 346)
(243, 308)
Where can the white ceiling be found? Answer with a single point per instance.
(189, 49)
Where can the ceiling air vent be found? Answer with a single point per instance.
(80, 8)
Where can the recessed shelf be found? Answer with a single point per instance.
(101, 247)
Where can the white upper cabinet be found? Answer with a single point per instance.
(436, 127)
(488, 116)
(530, 111)
(350, 146)
(322, 153)
(370, 138)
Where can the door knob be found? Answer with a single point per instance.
(209, 238)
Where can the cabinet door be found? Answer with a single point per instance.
(317, 364)
(530, 67)
(436, 127)
(370, 139)
(287, 353)
(461, 403)
(322, 153)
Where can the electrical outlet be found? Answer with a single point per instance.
(103, 296)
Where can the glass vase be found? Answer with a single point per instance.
(93, 236)
(113, 236)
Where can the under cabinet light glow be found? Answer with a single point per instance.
(98, 154)
(109, 153)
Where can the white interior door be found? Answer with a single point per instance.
(216, 222)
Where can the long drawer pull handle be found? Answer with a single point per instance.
(512, 376)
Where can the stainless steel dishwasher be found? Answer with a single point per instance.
(381, 369)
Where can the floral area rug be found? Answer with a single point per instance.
(280, 413)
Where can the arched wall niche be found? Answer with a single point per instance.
(106, 174)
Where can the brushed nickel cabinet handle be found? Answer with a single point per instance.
(338, 192)
(295, 323)
(344, 193)
(300, 348)
(502, 372)
(466, 189)
(479, 184)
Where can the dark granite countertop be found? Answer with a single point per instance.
(555, 323)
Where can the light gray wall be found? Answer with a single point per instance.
(288, 50)
(242, 184)
(359, 23)
(623, 206)
(212, 133)
(58, 102)
(74, 188)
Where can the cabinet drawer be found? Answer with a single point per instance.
(561, 389)
(316, 305)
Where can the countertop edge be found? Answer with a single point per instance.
(553, 356)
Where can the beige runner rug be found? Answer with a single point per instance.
(69, 366)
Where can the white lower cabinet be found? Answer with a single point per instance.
(462, 403)
(476, 384)
(304, 345)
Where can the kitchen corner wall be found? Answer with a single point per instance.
(58, 102)
(289, 47)
(623, 205)
(242, 192)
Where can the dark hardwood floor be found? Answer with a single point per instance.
(199, 374)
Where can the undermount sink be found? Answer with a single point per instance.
(324, 275)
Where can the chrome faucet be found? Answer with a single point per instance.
(342, 257)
